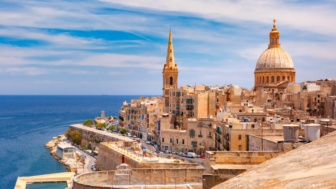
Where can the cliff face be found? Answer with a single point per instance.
(310, 166)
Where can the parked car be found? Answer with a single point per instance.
(203, 156)
(152, 143)
(95, 157)
(191, 155)
(168, 152)
(198, 156)
(181, 154)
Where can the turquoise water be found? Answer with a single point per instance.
(28, 122)
(46, 185)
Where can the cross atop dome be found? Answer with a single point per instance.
(274, 26)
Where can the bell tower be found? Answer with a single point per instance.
(169, 74)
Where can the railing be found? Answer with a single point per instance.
(200, 136)
(209, 136)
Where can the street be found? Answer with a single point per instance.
(89, 160)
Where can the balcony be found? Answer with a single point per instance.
(200, 136)
(209, 136)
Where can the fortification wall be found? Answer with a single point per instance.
(109, 179)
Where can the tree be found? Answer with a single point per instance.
(122, 131)
(74, 136)
(100, 126)
(88, 122)
(111, 128)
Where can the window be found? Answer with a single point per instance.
(267, 79)
(162, 139)
(171, 80)
(239, 147)
(263, 80)
(171, 140)
(252, 126)
(278, 78)
(182, 141)
(192, 133)
(176, 141)
(272, 79)
(209, 134)
(283, 78)
(239, 137)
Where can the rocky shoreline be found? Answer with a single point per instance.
(52, 145)
(73, 165)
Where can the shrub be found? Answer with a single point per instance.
(74, 136)
(111, 128)
(88, 122)
(122, 131)
(85, 148)
(100, 126)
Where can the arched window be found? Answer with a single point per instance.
(263, 79)
(288, 78)
(283, 78)
(171, 80)
(272, 79)
(278, 78)
(276, 41)
(273, 41)
(267, 79)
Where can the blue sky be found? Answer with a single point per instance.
(113, 47)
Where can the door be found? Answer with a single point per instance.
(247, 143)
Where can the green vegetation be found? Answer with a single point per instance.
(122, 131)
(59, 137)
(88, 122)
(304, 87)
(111, 128)
(100, 126)
(115, 118)
(85, 148)
(74, 136)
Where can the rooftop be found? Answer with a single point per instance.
(310, 166)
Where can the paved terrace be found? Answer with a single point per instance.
(67, 177)
(138, 155)
(104, 134)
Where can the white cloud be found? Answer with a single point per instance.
(315, 18)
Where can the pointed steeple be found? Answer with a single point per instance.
(170, 60)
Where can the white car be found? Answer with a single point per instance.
(191, 155)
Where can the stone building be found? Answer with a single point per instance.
(275, 68)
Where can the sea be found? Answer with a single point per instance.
(27, 123)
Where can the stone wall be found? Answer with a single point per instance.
(109, 179)
(268, 145)
(109, 159)
(240, 158)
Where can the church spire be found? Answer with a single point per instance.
(170, 61)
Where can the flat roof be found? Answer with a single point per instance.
(232, 166)
(112, 135)
(64, 145)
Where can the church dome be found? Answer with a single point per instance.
(274, 58)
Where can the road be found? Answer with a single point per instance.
(89, 160)
(147, 146)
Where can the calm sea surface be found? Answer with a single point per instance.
(28, 122)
